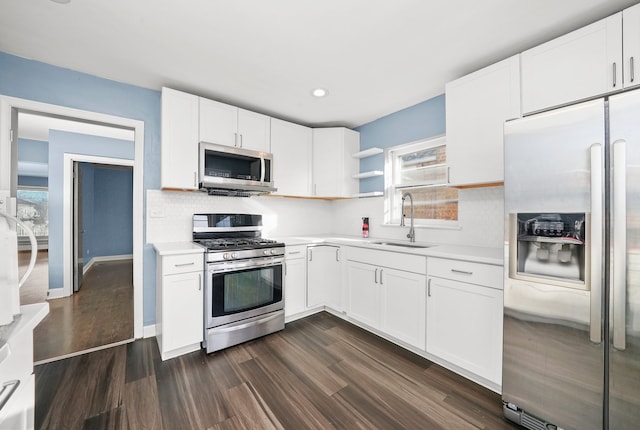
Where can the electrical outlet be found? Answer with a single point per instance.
(156, 212)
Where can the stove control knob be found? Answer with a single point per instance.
(265, 252)
(225, 256)
(273, 251)
(234, 255)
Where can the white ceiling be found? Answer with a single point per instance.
(374, 56)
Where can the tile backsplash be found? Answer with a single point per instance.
(169, 214)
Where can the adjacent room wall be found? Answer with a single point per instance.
(107, 211)
(61, 143)
(33, 156)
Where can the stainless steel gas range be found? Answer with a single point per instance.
(243, 296)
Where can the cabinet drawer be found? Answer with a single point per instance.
(466, 271)
(394, 260)
(182, 263)
(295, 251)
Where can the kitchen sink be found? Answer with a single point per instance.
(404, 244)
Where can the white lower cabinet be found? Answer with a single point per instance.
(464, 319)
(324, 277)
(295, 280)
(363, 293)
(179, 304)
(385, 298)
(403, 305)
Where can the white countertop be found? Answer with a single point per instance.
(173, 248)
(478, 254)
(29, 317)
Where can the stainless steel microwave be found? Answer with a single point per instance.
(227, 170)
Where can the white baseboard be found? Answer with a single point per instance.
(149, 331)
(55, 293)
(94, 260)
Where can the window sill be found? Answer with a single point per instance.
(449, 225)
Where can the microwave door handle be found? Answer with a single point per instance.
(595, 237)
(619, 225)
(262, 164)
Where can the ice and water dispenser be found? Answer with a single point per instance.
(550, 248)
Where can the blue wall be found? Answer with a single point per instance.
(60, 143)
(38, 81)
(424, 120)
(111, 227)
(32, 151)
(42, 82)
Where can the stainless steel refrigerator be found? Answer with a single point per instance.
(572, 267)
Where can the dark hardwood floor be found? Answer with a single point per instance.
(318, 373)
(100, 314)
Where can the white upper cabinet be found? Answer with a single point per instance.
(631, 45)
(179, 140)
(477, 106)
(579, 65)
(291, 146)
(333, 163)
(228, 125)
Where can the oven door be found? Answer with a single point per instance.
(237, 290)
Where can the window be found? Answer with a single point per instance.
(33, 204)
(420, 168)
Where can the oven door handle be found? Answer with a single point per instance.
(233, 266)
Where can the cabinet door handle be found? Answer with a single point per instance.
(235, 139)
(338, 254)
(184, 264)
(632, 74)
(614, 75)
(375, 276)
(429, 288)
(381, 270)
(199, 281)
(310, 254)
(461, 272)
(241, 141)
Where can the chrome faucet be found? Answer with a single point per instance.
(412, 231)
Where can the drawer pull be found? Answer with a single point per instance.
(184, 264)
(461, 272)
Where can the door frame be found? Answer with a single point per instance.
(7, 169)
(67, 210)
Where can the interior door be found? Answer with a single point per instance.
(78, 230)
(624, 345)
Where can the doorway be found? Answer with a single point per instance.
(9, 107)
(102, 206)
(102, 315)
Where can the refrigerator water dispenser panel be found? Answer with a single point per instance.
(550, 248)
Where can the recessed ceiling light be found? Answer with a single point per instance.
(319, 92)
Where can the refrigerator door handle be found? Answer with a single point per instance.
(619, 226)
(597, 220)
